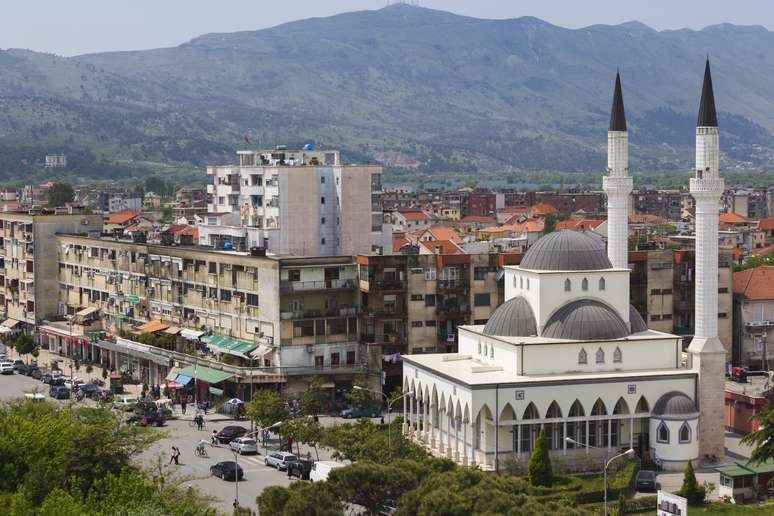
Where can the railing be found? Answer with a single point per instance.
(378, 338)
(309, 314)
(300, 286)
(453, 309)
(455, 284)
(386, 285)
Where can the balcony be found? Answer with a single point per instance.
(306, 286)
(348, 311)
(379, 285)
(454, 284)
(453, 310)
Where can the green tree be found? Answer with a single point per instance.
(303, 430)
(266, 408)
(60, 193)
(314, 400)
(549, 224)
(373, 486)
(539, 467)
(271, 502)
(300, 499)
(168, 214)
(365, 441)
(622, 504)
(156, 185)
(24, 344)
(360, 398)
(691, 490)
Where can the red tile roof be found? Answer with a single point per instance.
(479, 219)
(122, 217)
(398, 243)
(530, 226)
(579, 224)
(446, 246)
(541, 210)
(733, 218)
(755, 284)
(414, 215)
(766, 224)
(645, 219)
(444, 233)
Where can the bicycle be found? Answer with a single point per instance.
(201, 451)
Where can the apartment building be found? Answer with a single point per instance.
(569, 203)
(28, 261)
(651, 287)
(667, 204)
(294, 202)
(753, 341)
(291, 317)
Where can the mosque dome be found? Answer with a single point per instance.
(514, 318)
(674, 403)
(585, 319)
(567, 251)
(636, 321)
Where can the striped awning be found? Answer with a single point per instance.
(228, 345)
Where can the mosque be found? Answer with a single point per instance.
(566, 351)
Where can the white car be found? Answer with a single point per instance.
(6, 367)
(279, 460)
(125, 403)
(321, 469)
(243, 445)
(70, 383)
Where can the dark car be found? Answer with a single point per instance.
(59, 392)
(90, 390)
(39, 373)
(646, 480)
(300, 469)
(28, 370)
(18, 365)
(230, 433)
(52, 379)
(227, 470)
(146, 419)
(358, 412)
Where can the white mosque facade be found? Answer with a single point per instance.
(566, 352)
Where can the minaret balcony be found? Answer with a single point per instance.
(708, 186)
(621, 184)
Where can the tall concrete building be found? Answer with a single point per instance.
(294, 202)
(617, 183)
(709, 354)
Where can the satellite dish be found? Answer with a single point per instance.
(309, 147)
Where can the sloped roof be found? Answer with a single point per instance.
(447, 247)
(766, 224)
(414, 215)
(444, 233)
(122, 217)
(479, 219)
(542, 209)
(529, 226)
(645, 218)
(755, 284)
(733, 218)
(579, 224)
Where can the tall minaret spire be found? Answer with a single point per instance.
(617, 183)
(708, 353)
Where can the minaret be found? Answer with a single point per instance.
(617, 183)
(708, 353)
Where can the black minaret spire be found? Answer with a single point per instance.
(708, 117)
(617, 115)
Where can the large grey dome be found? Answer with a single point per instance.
(636, 321)
(674, 403)
(514, 318)
(567, 251)
(585, 319)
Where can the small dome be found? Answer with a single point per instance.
(585, 319)
(636, 321)
(567, 251)
(514, 318)
(674, 403)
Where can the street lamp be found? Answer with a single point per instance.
(236, 478)
(389, 408)
(628, 454)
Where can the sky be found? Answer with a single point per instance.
(72, 27)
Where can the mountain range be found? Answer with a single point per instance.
(405, 86)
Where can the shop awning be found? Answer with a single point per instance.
(152, 327)
(4, 329)
(86, 311)
(182, 379)
(172, 375)
(228, 345)
(172, 330)
(191, 334)
(134, 349)
(260, 351)
(10, 323)
(58, 330)
(205, 374)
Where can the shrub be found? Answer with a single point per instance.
(540, 473)
(691, 490)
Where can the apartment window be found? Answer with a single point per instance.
(479, 273)
(600, 356)
(350, 357)
(478, 322)
(430, 323)
(582, 358)
(319, 361)
(585, 284)
(322, 220)
(225, 295)
(666, 291)
(213, 268)
(430, 275)
(221, 200)
(655, 291)
(322, 200)
(322, 180)
(430, 300)
(335, 359)
(481, 300)
(416, 324)
(722, 315)
(666, 317)
(655, 317)
(567, 285)
(294, 275)
(723, 290)
(252, 299)
(417, 297)
(322, 241)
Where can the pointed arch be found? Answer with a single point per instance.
(617, 355)
(600, 356)
(567, 285)
(684, 434)
(642, 405)
(621, 407)
(585, 284)
(576, 409)
(485, 412)
(583, 358)
(531, 412)
(599, 408)
(466, 414)
(458, 412)
(602, 283)
(507, 413)
(662, 433)
(554, 411)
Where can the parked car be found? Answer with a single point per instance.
(59, 392)
(243, 445)
(18, 364)
(57, 380)
(358, 412)
(230, 433)
(125, 403)
(280, 460)
(646, 480)
(73, 383)
(227, 470)
(144, 418)
(321, 469)
(53, 375)
(90, 390)
(6, 367)
(300, 469)
(27, 369)
(39, 373)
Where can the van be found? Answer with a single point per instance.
(321, 470)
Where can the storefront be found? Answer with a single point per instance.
(208, 384)
(148, 364)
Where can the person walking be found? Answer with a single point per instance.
(199, 422)
(183, 403)
(214, 438)
(177, 456)
(172, 455)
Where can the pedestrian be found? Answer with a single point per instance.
(183, 404)
(177, 456)
(214, 438)
(200, 422)
(172, 455)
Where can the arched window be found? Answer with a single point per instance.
(521, 282)
(662, 433)
(582, 359)
(584, 284)
(600, 356)
(527, 283)
(617, 355)
(601, 283)
(479, 348)
(567, 285)
(685, 433)
(491, 352)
